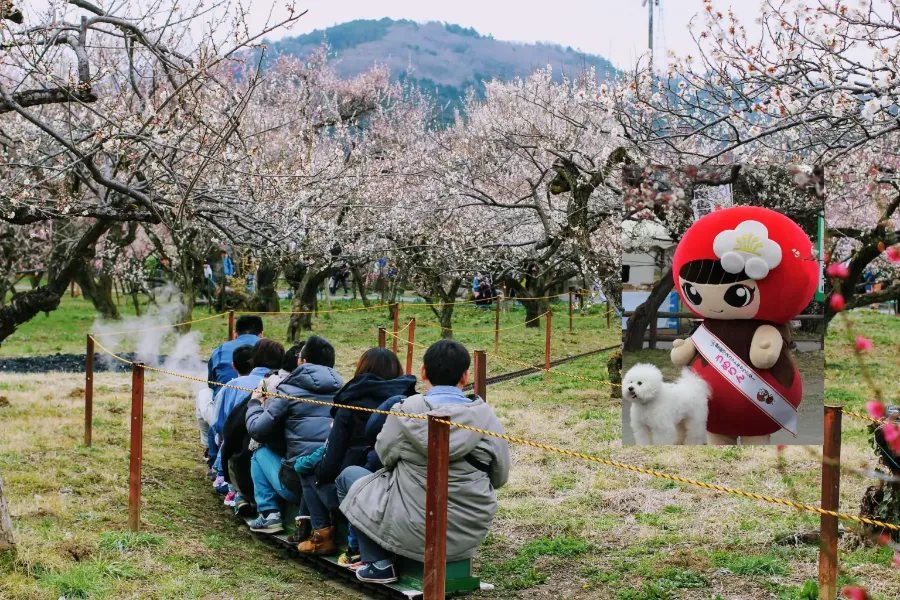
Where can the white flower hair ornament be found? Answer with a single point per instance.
(747, 247)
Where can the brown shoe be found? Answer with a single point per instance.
(321, 542)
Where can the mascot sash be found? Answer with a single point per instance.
(745, 380)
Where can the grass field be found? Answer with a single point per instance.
(566, 528)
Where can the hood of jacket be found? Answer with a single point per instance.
(316, 379)
(371, 390)
(462, 441)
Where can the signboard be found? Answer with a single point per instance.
(710, 198)
(820, 249)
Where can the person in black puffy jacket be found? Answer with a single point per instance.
(289, 429)
(378, 377)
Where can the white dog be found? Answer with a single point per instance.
(665, 414)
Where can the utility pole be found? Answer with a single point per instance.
(650, 4)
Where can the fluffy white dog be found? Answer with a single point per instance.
(665, 414)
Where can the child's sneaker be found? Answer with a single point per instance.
(219, 481)
(223, 489)
(212, 474)
(373, 574)
(351, 560)
(242, 507)
(302, 530)
(229, 499)
(270, 524)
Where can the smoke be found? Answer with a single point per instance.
(145, 336)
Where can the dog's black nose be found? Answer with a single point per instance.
(630, 388)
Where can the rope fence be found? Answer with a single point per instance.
(532, 444)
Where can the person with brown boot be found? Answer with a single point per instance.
(378, 377)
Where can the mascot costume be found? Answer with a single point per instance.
(746, 271)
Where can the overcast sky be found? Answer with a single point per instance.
(615, 29)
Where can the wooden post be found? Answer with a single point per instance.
(497, 324)
(831, 480)
(571, 327)
(382, 337)
(547, 341)
(396, 325)
(88, 390)
(137, 446)
(608, 315)
(480, 382)
(230, 325)
(438, 472)
(410, 348)
(654, 317)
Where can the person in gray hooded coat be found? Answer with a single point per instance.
(387, 508)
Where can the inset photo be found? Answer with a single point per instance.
(722, 295)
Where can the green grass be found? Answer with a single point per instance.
(565, 528)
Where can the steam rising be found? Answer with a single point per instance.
(145, 336)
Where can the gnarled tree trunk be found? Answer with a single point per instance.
(266, 298)
(361, 285)
(640, 320)
(305, 302)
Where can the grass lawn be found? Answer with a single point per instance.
(565, 529)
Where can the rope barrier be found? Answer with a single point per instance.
(220, 315)
(311, 312)
(546, 447)
(437, 326)
(864, 417)
(551, 371)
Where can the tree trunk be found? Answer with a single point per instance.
(7, 543)
(266, 298)
(99, 291)
(446, 318)
(65, 261)
(640, 320)
(305, 301)
(361, 286)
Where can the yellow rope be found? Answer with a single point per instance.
(437, 326)
(551, 370)
(863, 417)
(161, 326)
(562, 451)
(311, 312)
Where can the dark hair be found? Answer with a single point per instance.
(251, 324)
(242, 359)
(318, 351)
(380, 362)
(709, 271)
(268, 354)
(445, 362)
(291, 357)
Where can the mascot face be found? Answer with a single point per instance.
(745, 263)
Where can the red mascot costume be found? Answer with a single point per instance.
(747, 271)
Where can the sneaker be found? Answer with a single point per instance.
(351, 560)
(223, 489)
(212, 474)
(302, 531)
(373, 574)
(320, 543)
(242, 507)
(219, 481)
(229, 498)
(270, 524)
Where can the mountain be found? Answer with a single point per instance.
(443, 58)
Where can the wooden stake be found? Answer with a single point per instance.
(88, 390)
(230, 325)
(137, 446)
(831, 480)
(480, 382)
(436, 485)
(382, 337)
(547, 341)
(571, 329)
(396, 326)
(410, 348)
(497, 324)
(608, 315)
